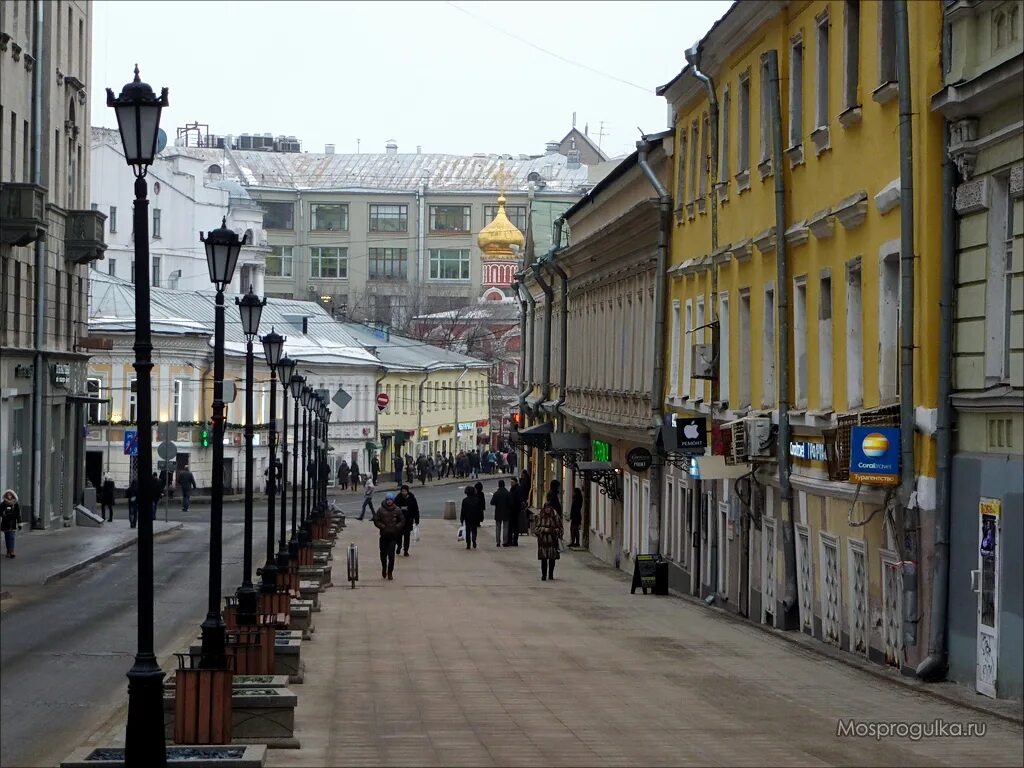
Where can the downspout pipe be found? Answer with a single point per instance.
(790, 599)
(563, 351)
(658, 369)
(39, 316)
(549, 295)
(934, 666)
(528, 352)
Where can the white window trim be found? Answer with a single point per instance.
(744, 368)
(769, 354)
(854, 335)
(724, 362)
(178, 399)
(688, 349)
(889, 312)
(800, 355)
(674, 375)
(825, 342)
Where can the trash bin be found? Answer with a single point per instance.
(449, 510)
(661, 577)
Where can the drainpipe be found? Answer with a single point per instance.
(934, 666)
(39, 318)
(557, 234)
(790, 600)
(658, 372)
(526, 323)
(546, 361)
(906, 494)
(693, 58)
(563, 352)
(419, 417)
(421, 231)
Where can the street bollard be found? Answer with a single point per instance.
(353, 564)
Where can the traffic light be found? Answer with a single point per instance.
(204, 437)
(517, 419)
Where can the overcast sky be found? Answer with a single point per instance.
(457, 77)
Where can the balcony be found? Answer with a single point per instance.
(83, 236)
(23, 209)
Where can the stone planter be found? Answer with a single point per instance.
(260, 715)
(287, 659)
(245, 681)
(310, 590)
(302, 619)
(317, 573)
(202, 706)
(197, 756)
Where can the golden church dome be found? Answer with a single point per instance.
(498, 237)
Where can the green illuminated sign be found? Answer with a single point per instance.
(602, 451)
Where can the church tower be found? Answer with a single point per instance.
(496, 240)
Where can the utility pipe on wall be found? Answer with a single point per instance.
(934, 666)
(528, 351)
(39, 315)
(790, 599)
(545, 376)
(907, 468)
(658, 369)
(563, 352)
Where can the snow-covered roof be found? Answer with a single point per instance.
(401, 353)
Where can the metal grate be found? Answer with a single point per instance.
(892, 624)
(768, 588)
(738, 453)
(830, 610)
(805, 575)
(888, 416)
(858, 601)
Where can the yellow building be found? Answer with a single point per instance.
(829, 562)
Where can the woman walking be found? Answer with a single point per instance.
(548, 529)
(10, 518)
(575, 517)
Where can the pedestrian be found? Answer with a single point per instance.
(390, 522)
(354, 474)
(575, 517)
(156, 488)
(525, 486)
(515, 506)
(421, 468)
(502, 503)
(451, 466)
(367, 499)
(431, 467)
(406, 502)
(474, 465)
(512, 461)
(549, 533)
(107, 491)
(132, 494)
(472, 515)
(374, 468)
(187, 481)
(10, 519)
(343, 475)
(554, 497)
(399, 466)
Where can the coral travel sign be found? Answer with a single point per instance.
(875, 455)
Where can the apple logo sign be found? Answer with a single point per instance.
(691, 432)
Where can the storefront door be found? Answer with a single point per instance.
(987, 586)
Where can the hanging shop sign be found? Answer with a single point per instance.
(61, 374)
(639, 459)
(601, 451)
(875, 455)
(692, 434)
(465, 426)
(484, 423)
(444, 429)
(808, 451)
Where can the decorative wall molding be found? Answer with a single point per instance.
(820, 137)
(851, 211)
(822, 224)
(973, 196)
(889, 197)
(962, 134)
(741, 251)
(765, 241)
(798, 234)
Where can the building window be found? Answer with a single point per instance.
(179, 386)
(674, 372)
(851, 61)
(688, 348)
(723, 139)
(796, 97)
(279, 261)
(705, 164)
(723, 346)
(694, 159)
(156, 223)
(744, 351)
(112, 219)
(131, 263)
(681, 173)
(56, 303)
(998, 305)
(886, 43)
(888, 326)
(155, 280)
(854, 339)
(800, 340)
(94, 388)
(388, 262)
(133, 400)
(766, 112)
(388, 218)
(328, 263)
(516, 214)
(743, 156)
(822, 74)
(768, 350)
(825, 343)
(449, 263)
(278, 215)
(328, 217)
(70, 317)
(449, 218)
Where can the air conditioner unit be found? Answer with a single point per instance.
(703, 361)
(759, 437)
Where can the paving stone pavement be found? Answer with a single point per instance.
(468, 659)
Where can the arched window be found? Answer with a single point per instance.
(214, 169)
(1012, 21)
(1000, 29)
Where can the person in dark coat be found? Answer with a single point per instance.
(390, 522)
(549, 533)
(374, 468)
(471, 516)
(132, 494)
(399, 466)
(513, 521)
(503, 515)
(474, 464)
(575, 517)
(343, 474)
(354, 474)
(554, 497)
(187, 481)
(107, 491)
(10, 519)
(406, 502)
(156, 488)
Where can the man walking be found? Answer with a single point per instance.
(513, 521)
(187, 481)
(502, 503)
(390, 522)
(406, 502)
(107, 492)
(399, 466)
(374, 468)
(367, 499)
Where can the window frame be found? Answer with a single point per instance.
(94, 411)
(743, 126)
(283, 261)
(518, 221)
(177, 398)
(112, 220)
(796, 92)
(380, 255)
(314, 213)
(157, 216)
(264, 206)
(822, 70)
(434, 260)
(317, 257)
(154, 278)
(374, 218)
(467, 219)
(133, 400)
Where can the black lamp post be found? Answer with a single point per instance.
(273, 344)
(286, 366)
(295, 384)
(326, 413)
(222, 249)
(317, 454)
(138, 119)
(251, 309)
(307, 422)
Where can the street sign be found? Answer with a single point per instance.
(167, 450)
(382, 401)
(230, 391)
(131, 442)
(875, 455)
(341, 398)
(692, 434)
(639, 459)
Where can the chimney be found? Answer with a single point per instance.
(329, 149)
(419, 149)
(305, 325)
(391, 147)
(552, 148)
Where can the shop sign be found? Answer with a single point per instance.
(484, 423)
(444, 429)
(601, 451)
(465, 426)
(808, 451)
(61, 374)
(639, 459)
(692, 434)
(875, 455)
(23, 371)
(425, 432)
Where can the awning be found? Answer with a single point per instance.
(538, 436)
(84, 399)
(606, 475)
(569, 441)
(596, 466)
(667, 438)
(715, 468)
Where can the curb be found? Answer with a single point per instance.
(805, 643)
(74, 567)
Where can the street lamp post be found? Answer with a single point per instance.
(314, 448)
(307, 420)
(323, 456)
(138, 120)
(222, 249)
(287, 368)
(295, 384)
(251, 309)
(273, 343)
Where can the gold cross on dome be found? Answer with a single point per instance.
(501, 177)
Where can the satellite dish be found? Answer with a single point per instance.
(161, 140)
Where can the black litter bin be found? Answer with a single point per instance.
(661, 577)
